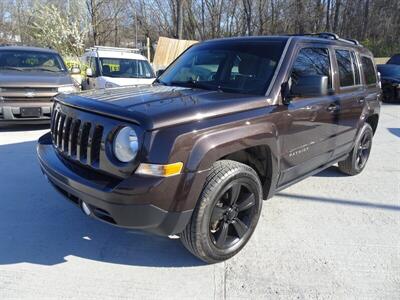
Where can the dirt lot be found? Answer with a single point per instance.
(330, 236)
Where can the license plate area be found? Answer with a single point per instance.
(31, 112)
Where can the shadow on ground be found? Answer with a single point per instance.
(395, 131)
(359, 203)
(22, 127)
(330, 172)
(38, 226)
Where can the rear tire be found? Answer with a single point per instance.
(358, 157)
(226, 214)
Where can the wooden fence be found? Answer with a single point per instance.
(167, 50)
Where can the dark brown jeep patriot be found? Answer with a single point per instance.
(228, 124)
(29, 78)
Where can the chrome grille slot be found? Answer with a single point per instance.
(76, 139)
(73, 137)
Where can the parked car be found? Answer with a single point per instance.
(111, 67)
(228, 124)
(394, 60)
(390, 78)
(29, 78)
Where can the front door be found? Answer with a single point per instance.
(308, 139)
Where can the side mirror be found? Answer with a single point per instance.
(310, 86)
(89, 72)
(75, 71)
(159, 72)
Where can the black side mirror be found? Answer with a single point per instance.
(159, 72)
(285, 92)
(310, 86)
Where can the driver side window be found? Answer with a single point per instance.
(311, 62)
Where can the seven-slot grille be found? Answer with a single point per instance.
(77, 139)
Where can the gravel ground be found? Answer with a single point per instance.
(329, 236)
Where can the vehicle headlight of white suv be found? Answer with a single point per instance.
(68, 89)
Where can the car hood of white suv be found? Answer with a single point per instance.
(115, 82)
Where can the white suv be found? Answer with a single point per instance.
(110, 67)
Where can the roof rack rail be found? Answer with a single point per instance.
(329, 36)
(108, 48)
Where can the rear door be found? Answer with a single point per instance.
(308, 140)
(351, 95)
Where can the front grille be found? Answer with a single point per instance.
(77, 139)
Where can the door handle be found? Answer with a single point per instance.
(333, 108)
(361, 100)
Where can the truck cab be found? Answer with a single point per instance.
(110, 67)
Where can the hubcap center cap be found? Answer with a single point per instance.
(231, 214)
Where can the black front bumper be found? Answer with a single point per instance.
(106, 202)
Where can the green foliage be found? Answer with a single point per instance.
(50, 28)
(381, 48)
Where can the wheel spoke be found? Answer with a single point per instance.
(364, 138)
(217, 213)
(221, 235)
(240, 227)
(234, 193)
(247, 203)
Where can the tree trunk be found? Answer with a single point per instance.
(336, 19)
(179, 29)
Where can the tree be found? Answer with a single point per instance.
(50, 28)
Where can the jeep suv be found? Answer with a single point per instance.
(226, 126)
(29, 78)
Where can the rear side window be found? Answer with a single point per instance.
(369, 70)
(312, 61)
(349, 74)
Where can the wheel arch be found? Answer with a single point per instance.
(372, 120)
(255, 145)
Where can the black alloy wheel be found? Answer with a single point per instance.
(232, 215)
(226, 213)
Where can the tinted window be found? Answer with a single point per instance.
(346, 65)
(312, 61)
(234, 67)
(389, 70)
(31, 61)
(369, 70)
(394, 60)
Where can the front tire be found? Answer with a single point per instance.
(358, 157)
(226, 214)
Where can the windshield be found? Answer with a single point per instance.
(31, 61)
(391, 71)
(235, 67)
(126, 68)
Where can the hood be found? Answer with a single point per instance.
(33, 79)
(127, 81)
(158, 106)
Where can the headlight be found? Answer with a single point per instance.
(126, 144)
(67, 89)
(110, 85)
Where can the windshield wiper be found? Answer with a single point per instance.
(44, 69)
(12, 68)
(192, 83)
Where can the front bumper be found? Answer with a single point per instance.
(10, 113)
(108, 198)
